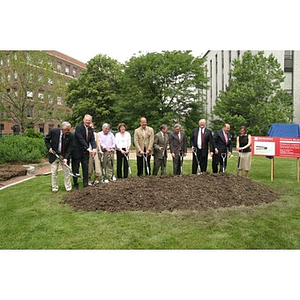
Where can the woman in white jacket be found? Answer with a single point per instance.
(123, 143)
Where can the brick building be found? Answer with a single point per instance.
(63, 65)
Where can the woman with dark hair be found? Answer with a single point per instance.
(123, 143)
(243, 145)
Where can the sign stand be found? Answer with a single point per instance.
(297, 169)
(272, 168)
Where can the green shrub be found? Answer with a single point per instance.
(20, 148)
(30, 132)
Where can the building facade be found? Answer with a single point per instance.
(219, 62)
(63, 65)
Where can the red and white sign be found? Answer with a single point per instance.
(275, 146)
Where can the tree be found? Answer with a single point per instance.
(28, 87)
(94, 92)
(254, 97)
(163, 87)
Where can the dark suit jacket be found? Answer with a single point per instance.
(207, 139)
(175, 144)
(52, 141)
(159, 141)
(220, 143)
(80, 144)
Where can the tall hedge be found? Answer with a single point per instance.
(19, 148)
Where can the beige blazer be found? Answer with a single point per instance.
(141, 140)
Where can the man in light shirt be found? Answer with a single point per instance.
(107, 142)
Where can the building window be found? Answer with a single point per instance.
(29, 95)
(1, 128)
(41, 128)
(223, 80)
(288, 61)
(216, 75)
(74, 72)
(67, 70)
(50, 126)
(41, 95)
(59, 67)
(50, 99)
(30, 111)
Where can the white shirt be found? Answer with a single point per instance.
(123, 141)
(199, 144)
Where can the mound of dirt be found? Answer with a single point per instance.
(8, 171)
(170, 193)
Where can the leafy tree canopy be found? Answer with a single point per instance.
(94, 92)
(255, 97)
(163, 87)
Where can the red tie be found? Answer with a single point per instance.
(226, 138)
(202, 139)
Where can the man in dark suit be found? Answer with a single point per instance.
(222, 144)
(178, 148)
(160, 145)
(60, 140)
(201, 140)
(84, 145)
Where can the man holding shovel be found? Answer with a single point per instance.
(178, 148)
(59, 141)
(161, 145)
(143, 141)
(222, 148)
(84, 146)
(202, 143)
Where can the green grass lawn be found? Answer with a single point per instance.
(31, 217)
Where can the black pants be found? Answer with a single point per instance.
(122, 162)
(202, 161)
(141, 165)
(177, 164)
(217, 162)
(84, 160)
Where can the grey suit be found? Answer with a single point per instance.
(161, 140)
(179, 148)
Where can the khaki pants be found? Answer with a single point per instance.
(108, 164)
(94, 168)
(67, 176)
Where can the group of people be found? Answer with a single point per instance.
(95, 151)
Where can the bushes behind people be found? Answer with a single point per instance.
(20, 148)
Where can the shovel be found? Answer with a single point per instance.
(181, 162)
(239, 161)
(223, 155)
(146, 162)
(129, 170)
(195, 153)
(62, 162)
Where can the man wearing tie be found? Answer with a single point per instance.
(160, 145)
(222, 143)
(84, 137)
(143, 141)
(201, 140)
(60, 140)
(178, 148)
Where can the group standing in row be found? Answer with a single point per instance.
(95, 151)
